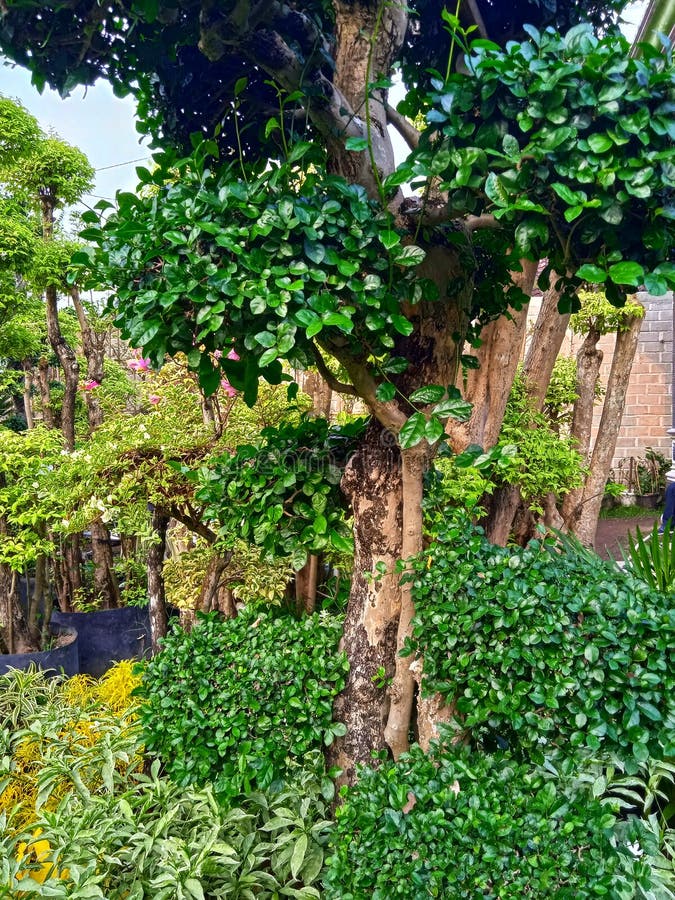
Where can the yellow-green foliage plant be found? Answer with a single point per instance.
(250, 578)
(57, 737)
(97, 820)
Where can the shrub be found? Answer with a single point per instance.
(157, 840)
(59, 736)
(542, 646)
(453, 824)
(91, 824)
(241, 701)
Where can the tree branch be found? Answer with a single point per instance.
(333, 383)
(404, 127)
(387, 413)
(475, 223)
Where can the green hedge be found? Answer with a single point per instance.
(546, 646)
(237, 702)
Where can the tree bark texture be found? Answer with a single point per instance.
(585, 522)
(414, 465)
(156, 593)
(215, 593)
(27, 393)
(547, 337)
(45, 394)
(372, 484)
(488, 387)
(589, 359)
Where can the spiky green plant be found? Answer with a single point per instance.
(651, 557)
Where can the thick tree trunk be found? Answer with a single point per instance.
(63, 351)
(414, 465)
(215, 594)
(93, 347)
(69, 365)
(45, 394)
(589, 359)
(585, 520)
(27, 393)
(488, 387)
(306, 584)
(105, 585)
(156, 593)
(547, 337)
(372, 484)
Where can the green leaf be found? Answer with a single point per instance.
(600, 143)
(356, 143)
(455, 408)
(389, 238)
(434, 430)
(401, 324)
(495, 190)
(591, 653)
(629, 273)
(432, 393)
(591, 273)
(413, 431)
(385, 391)
(298, 855)
(409, 256)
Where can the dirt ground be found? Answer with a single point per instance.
(611, 533)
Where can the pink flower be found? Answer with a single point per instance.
(90, 385)
(233, 355)
(154, 399)
(138, 365)
(217, 354)
(227, 387)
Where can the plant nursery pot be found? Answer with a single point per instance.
(62, 659)
(108, 635)
(648, 501)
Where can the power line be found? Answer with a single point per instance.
(127, 163)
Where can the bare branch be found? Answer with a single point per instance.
(333, 383)
(477, 18)
(404, 127)
(476, 223)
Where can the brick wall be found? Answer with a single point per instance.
(649, 400)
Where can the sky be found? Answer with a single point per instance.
(103, 127)
(95, 121)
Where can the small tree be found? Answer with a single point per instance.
(300, 244)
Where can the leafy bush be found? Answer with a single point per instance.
(241, 702)
(542, 646)
(156, 839)
(281, 495)
(251, 578)
(456, 824)
(78, 818)
(59, 736)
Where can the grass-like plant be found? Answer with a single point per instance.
(651, 557)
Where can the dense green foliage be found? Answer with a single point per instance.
(569, 148)
(542, 648)
(283, 494)
(264, 260)
(461, 825)
(243, 702)
(80, 819)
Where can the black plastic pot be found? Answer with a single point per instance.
(108, 635)
(63, 659)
